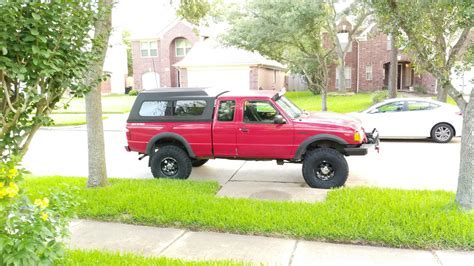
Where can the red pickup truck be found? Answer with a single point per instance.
(180, 128)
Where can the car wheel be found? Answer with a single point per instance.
(325, 168)
(171, 162)
(442, 133)
(199, 162)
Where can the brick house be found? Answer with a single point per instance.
(154, 56)
(367, 64)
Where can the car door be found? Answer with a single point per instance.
(421, 118)
(225, 129)
(258, 136)
(388, 119)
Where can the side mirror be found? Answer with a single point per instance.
(279, 120)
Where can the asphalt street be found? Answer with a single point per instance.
(406, 164)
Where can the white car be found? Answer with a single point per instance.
(413, 118)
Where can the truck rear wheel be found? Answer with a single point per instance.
(199, 162)
(171, 162)
(325, 168)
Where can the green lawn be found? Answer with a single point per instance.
(387, 217)
(336, 103)
(111, 104)
(99, 258)
(70, 119)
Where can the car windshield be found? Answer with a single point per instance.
(290, 108)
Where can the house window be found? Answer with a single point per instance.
(368, 72)
(182, 47)
(347, 76)
(344, 41)
(148, 48)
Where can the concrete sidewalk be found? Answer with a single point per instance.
(189, 245)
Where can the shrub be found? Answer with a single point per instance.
(133, 92)
(30, 233)
(420, 89)
(379, 96)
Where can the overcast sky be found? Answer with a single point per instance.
(147, 17)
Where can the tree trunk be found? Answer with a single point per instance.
(342, 74)
(324, 99)
(442, 95)
(95, 129)
(465, 191)
(95, 139)
(393, 73)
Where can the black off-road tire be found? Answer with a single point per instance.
(171, 155)
(318, 161)
(439, 131)
(199, 162)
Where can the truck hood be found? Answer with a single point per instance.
(330, 118)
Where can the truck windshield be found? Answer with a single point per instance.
(290, 108)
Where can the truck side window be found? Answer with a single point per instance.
(155, 108)
(226, 111)
(189, 108)
(259, 112)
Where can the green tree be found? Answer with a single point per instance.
(436, 35)
(42, 55)
(287, 31)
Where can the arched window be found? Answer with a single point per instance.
(182, 47)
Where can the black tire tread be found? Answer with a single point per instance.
(185, 165)
(342, 172)
(199, 162)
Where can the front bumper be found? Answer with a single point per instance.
(372, 142)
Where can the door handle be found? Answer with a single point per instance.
(243, 129)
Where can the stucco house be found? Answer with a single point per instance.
(155, 54)
(210, 64)
(367, 63)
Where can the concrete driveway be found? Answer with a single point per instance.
(405, 164)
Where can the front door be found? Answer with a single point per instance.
(258, 136)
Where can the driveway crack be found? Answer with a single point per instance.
(293, 253)
(171, 243)
(433, 252)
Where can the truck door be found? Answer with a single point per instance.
(258, 136)
(225, 130)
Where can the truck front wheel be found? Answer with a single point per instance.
(325, 168)
(171, 162)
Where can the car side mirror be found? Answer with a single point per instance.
(279, 120)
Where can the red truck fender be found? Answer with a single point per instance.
(172, 138)
(317, 138)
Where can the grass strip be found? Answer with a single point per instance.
(111, 104)
(376, 216)
(336, 103)
(99, 258)
(70, 119)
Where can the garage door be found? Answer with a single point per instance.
(222, 78)
(150, 80)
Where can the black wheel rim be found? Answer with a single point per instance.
(324, 171)
(169, 166)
